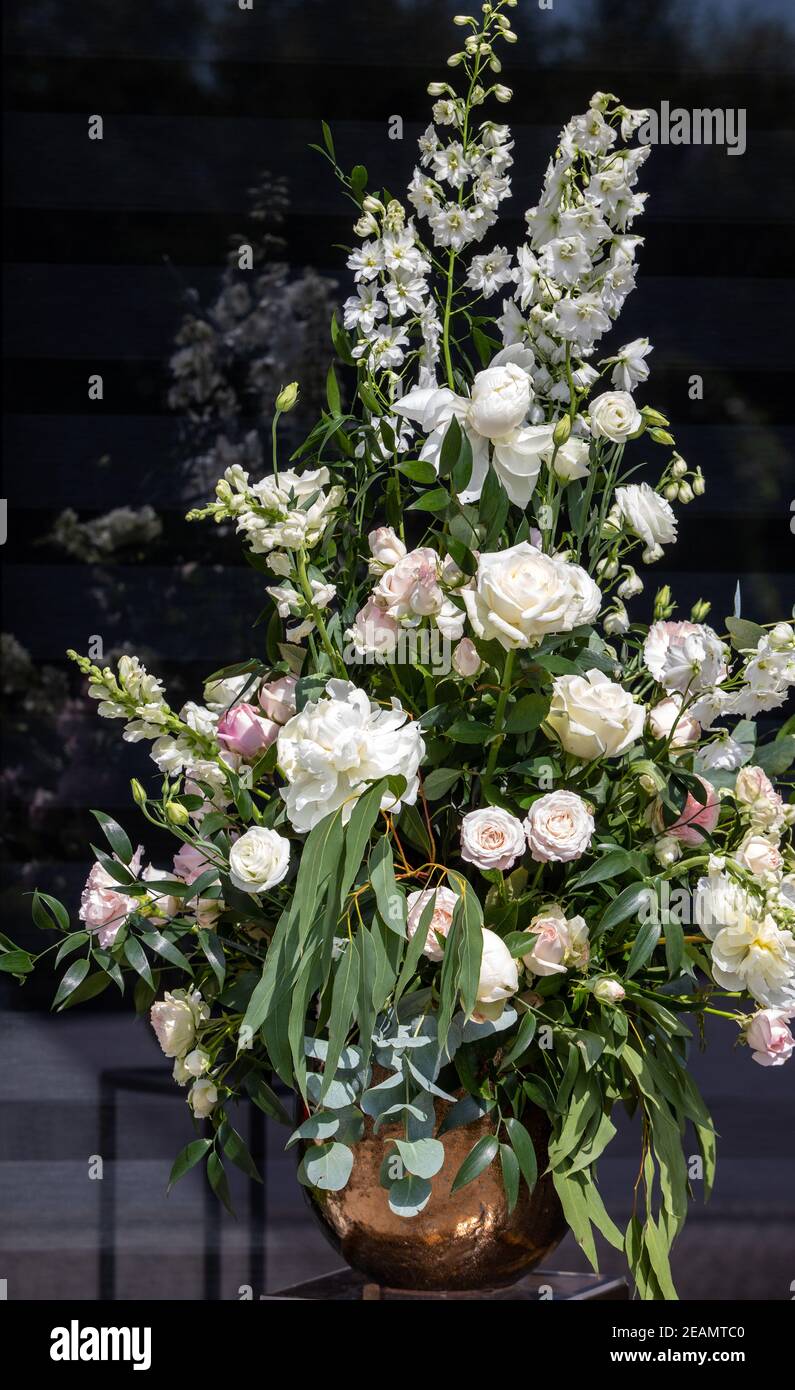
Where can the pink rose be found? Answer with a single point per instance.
(243, 731)
(697, 818)
(277, 699)
(558, 943)
(465, 658)
(190, 864)
(441, 921)
(103, 905)
(769, 1038)
(492, 838)
(559, 827)
(667, 715)
(411, 587)
(374, 632)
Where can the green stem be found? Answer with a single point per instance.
(337, 663)
(499, 716)
(448, 362)
(273, 444)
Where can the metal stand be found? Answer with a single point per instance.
(540, 1286)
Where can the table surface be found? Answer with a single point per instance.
(541, 1285)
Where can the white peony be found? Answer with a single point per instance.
(685, 656)
(259, 860)
(521, 594)
(337, 745)
(500, 400)
(758, 956)
(559, 827)
(176, 1018)
(614, 416)
(492, 838)
(593, 716)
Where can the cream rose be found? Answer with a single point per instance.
(491, 838)
(614, 416)
(761, 856)
(559, 943)
(259, 860)
(593, 716)
(444, 904)
(558, 827)
(758, 799)
(521, 594)
(203, 1098)
(667, 716)
(608, 991)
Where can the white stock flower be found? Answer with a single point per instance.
(521, 595)
(593, 716)
(176, 1018)
(337, 745)
(559, 827)
(685, 656)
(491, 838)
(291, 511)
(648, 516)
(614, 416)
(259, 860)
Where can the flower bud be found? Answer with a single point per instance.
(699, 611)
(663, 603)
(678, 467)
(502, 94)
(455, 60)
(438, 89)
(371, 204)
(667, 850)
(671, 492)
(176, 813)
(138, 793)
(699, 484)
(685, 493)
(608, 991)
(616, 621)
(562, 430)
(653, 417)
(661, 437)
(287, 397)
(632, 585)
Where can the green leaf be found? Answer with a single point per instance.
(74, 976)
(136, 955)
(414, 948)
(468, 916)
(527, 714)
(461, 471)
(188, 1158)
(744, 635)
(326, 1166)
(615, 862)
(390, 900)
(478, 1158)
(75, 939)
(165, 948)
(343, 1001)
(56, 908)
(627, 904)
(409, 1195)
(327, 140)
(469, 731)
(91, 986)
(333, 392)
(265, 1098)
(218, 1181)
(17, 963)
(214, 952)
(451, 448)
(236, 1149)
(524, 1036)
(115, 836)
(643, 947)
(510, 1175)
(776, 757)
(674, 947)
(522, 1145)
(418, 471)
(437, 500)
(422, 1157)
(439, 781)
(358, 181)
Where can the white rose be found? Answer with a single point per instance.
(571, 459)
(337, 745)
(648, 515)
(608, 991)
(259, 860)
(759, 855)
(667, 850)
(614, 416)
(203, 1098)
(499, 973)
(666, 716)
(444, 905)
(685, 656)
(559, 827)
(593, 716)
(521, 594)
(500, 400)
(492, 838)
(559, 943)
(197, 1062)
(175, 1019)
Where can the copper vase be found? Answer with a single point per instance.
(461, 1240)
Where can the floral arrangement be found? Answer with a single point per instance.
(463, 829)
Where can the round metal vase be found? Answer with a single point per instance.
(461, 1240)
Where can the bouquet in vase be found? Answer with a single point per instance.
(463, 837)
